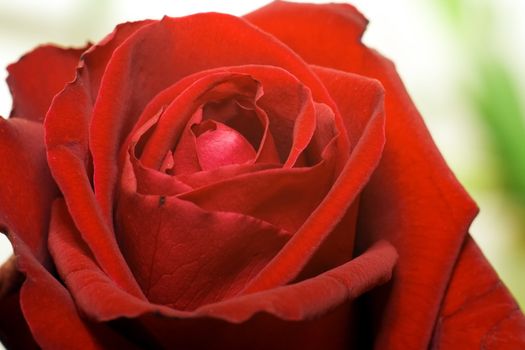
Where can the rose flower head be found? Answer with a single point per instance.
(215, 182)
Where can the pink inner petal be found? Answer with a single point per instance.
(219, 145)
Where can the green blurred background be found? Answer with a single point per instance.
(462, 62)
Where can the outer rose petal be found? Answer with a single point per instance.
(96, 58)
(26, 186)
(51, 313)
(27, 192)
(413, 199)
(38, 76)
(478, 312)
(67, 129)
(67, 157)
(311, 314)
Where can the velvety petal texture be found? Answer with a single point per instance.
(217, 182)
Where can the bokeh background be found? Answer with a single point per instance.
(463, 62)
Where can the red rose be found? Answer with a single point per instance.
(217, 182)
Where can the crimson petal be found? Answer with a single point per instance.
(51, 313)
(501, 326)
(184, 256)
(221, 146)
(67, 129)
(26, 186)
(38, 76)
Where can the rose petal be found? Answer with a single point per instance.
(333, 40)
(237, 115)
(324, 133)
(221, 146)
(413, 199)
(26, 186)
(38, 76)
(184, 157)
(312, 314)
(313, 297)
(333, 331)
(478, 312)
(28, 192)
(183, 256)
(67, 156)
(148, 180)
(51, 314)
(67, 128)
(154, 182)
(97, 57)
(336, 249)
(357, 97)
(94, 292)
(206, 178)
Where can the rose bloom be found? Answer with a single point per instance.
(213, 182)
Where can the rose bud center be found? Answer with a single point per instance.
(219, 145)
